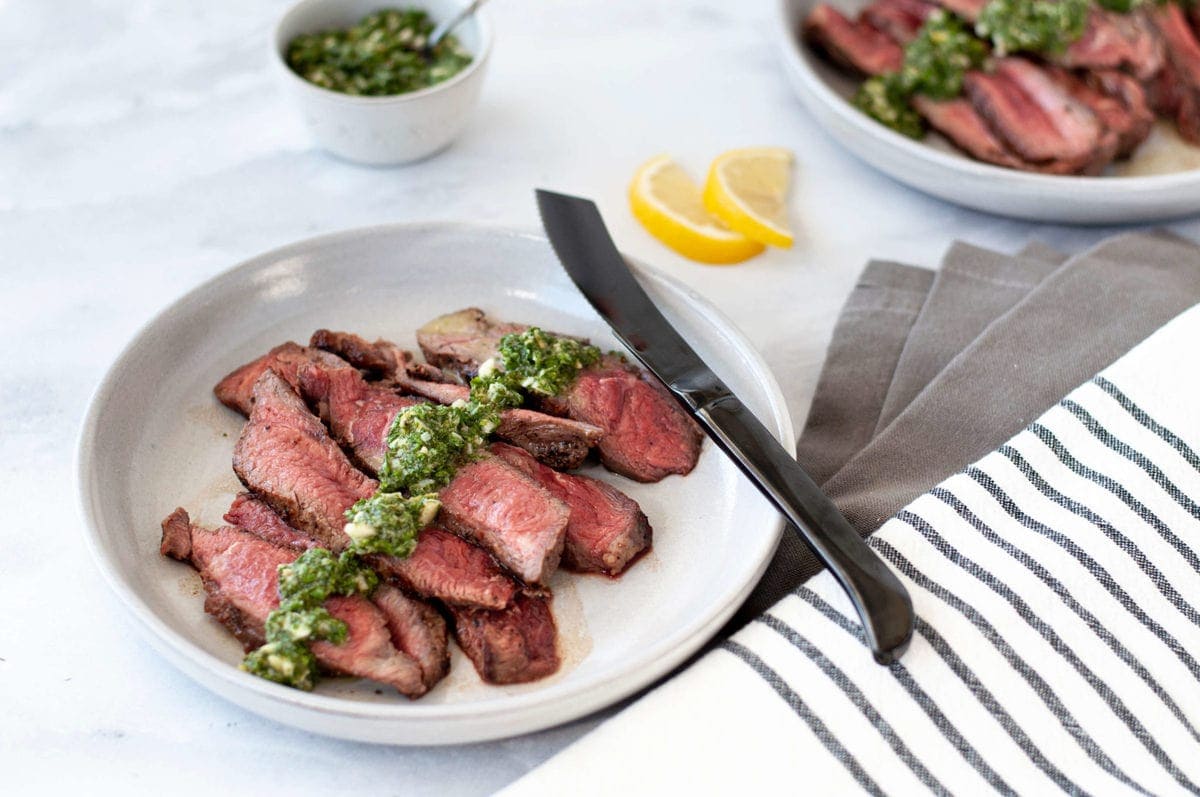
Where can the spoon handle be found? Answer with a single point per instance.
(450, 24)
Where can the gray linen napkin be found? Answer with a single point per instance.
(1037, 339)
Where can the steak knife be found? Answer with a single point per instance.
(591, 259)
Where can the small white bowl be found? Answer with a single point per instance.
(383, 131)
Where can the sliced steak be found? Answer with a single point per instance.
(513, 646)
(958, 121)
(446, 567)
(416, 629)
(1180, 91)
(462, 340)
(488, 502)
(559, 442)
(1117, 119)
(1113, 40)
(1132, 98)
(1034, 116)
(855, 44)
(255, 516)
(359, 413)
(285, 456)
(646, 434)
(901, 20)
(236, 390)
(607, 529)
(240, 575)
(496, 506)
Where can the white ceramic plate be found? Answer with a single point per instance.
(1166, 185)
(155, 438)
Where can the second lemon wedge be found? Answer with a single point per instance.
(747, 189)
(669, 205)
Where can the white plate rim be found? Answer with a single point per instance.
(789, 47)
(674, 648)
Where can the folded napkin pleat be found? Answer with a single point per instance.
(1057, 596)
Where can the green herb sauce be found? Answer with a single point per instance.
(1036, 26)
(381, 55)
(426, 444)
(304, 585)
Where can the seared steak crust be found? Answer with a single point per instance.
(285, 456)
(512, 646)
(236, 390)
(607, 530)
(416, 629)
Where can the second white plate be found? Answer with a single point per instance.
(935, 167)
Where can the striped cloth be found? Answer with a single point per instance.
(1057, 647)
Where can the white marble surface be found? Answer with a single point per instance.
(145, 146)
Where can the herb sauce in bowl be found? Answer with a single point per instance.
(380, 56)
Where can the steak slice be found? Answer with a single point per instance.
(1114, 40)
(1034, 116)
(450, 569)
(646, 434)
(958, 121)
(855, 44)
(559, 442)
(1179, 93)
(417, 629)
(901, 20)
(1118, 118)
(607, 530)
(236, 390)
(240, 575)
(496, 506)
(359, 413)
(285, 456)
(513, 646)
(462, 340)
(255, 516)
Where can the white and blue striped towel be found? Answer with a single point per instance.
(1057, 648)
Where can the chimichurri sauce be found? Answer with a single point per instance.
(380, 56)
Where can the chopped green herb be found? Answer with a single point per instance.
(381, 55)
(1037, 26)
(883, 99)
(304, 586)
(389, 523)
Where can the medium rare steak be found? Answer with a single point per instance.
(255, 516)
(447, 567)
(240, 575)
(1114, 40)
(496, 506)
(236, 390)
(513, 646)
(1113, 98)
(417, 629)
(901, 20)
(607, 530)
(285, 456)
(958, 121)
(646, 434)
(1034, 116)
(488, 502)
(559, 442)
(1179, 91)
(855, 44)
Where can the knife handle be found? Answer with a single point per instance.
(882, 602)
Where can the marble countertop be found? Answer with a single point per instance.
(146, 146)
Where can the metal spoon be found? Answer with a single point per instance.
(450, 24)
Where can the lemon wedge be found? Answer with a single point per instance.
(668, 203)
(748, 188)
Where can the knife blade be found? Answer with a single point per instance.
(591, 259)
